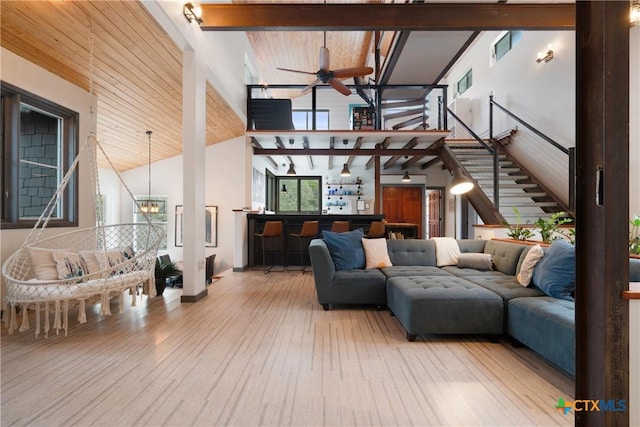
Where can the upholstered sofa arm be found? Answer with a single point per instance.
(323, 268)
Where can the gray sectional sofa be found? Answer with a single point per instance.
(427, 299)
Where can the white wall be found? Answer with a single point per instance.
(227, 186)
(28, 76)
(541, 94)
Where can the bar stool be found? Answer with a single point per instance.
(377, 229)
(272, 230)
(340, 226)
(309, 231)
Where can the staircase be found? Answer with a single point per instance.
(517, 189)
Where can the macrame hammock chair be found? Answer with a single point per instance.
(81, 267)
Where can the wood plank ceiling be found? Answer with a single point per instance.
(136, 72)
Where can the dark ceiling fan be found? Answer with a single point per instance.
(329, 76)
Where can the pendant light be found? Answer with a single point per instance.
(406, 177)
(291, 170)
(460, 183)
(149, 206)
(345, 168)
(284, 189)
(146, 205)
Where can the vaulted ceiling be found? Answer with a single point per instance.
(119, 52)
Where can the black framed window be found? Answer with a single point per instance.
(465, 82)
(506, 43)
(298, 194)
(39, 144)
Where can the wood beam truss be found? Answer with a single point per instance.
(387, 16)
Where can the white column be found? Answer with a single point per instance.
(240, 254)
(194, 111)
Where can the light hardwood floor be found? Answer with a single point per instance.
(260, 351)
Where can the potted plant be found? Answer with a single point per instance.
(163, 271)
(549, 228)
(517, 231)
(634, 236)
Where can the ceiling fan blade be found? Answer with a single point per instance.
(339, 86)
(324, 59)
(345, 73)
(296, 71)
(309, 87)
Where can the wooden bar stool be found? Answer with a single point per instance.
(272, 230)
(340, 226)
(309, 231)
(377, 229)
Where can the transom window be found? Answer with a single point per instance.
(465, 82)
(505, 44)
(39, 141)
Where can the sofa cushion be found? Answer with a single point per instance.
(505, 286)
(505, 255)
(528, 260)
(375, 253)
(471, 246)
(447, 251)
(412, 252)
(547, 326)
(555, 274)
(345, 248)
(463, 272)
(413, 270)
(482, 262)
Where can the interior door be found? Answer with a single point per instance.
(435, 213)
(404, 204)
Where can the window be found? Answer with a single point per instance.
(299, 194)
(303, 119)
(39, 144)
(465, 82)
(505, 43)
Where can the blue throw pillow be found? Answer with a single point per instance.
(345, 248)
(555, 274)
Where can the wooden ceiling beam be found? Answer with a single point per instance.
(384, 144)
(256, 144)
(410, 151)
(356, 146)
(387, 16)
(305, 145)
(399, 152)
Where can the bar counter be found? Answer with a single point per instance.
(292, 223)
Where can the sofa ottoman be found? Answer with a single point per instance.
(547, 326)
(444, 305)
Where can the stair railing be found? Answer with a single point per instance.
(493, 151)
(568, 151)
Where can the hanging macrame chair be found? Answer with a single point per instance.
(50, 275)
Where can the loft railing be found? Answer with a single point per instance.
(570, 152)
(383, 100)
(493, 151)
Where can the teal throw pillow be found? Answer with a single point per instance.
(345, 248)
(555, 274)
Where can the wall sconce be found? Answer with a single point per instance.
(460, 183)
(406, 177)
(545, 57)
(634, 15)
(192, 12)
